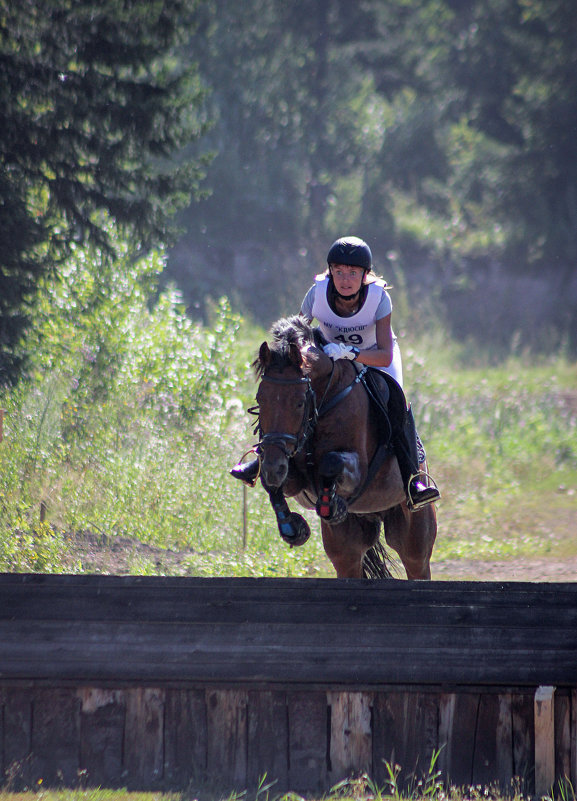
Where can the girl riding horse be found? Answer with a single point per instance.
(353, 309)
(326, 442)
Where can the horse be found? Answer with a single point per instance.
(323, 443)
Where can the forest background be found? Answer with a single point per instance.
(443, 133)
(173, 174)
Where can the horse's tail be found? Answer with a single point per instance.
(377, 563)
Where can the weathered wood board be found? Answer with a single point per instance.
(152, 683)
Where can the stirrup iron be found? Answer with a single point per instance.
(253, 450)
(414, 504)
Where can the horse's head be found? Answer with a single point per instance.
(285, 397)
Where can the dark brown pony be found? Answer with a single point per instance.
(323, 443)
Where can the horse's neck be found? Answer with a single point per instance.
(327, 382)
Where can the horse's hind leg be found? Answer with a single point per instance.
(412, 535)
(346, 544)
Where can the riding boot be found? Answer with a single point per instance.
(406, 446)
(247, 471)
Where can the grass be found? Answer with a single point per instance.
(142, 453)
(429, 787)
(501, 442)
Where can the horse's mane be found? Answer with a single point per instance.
(286, 332)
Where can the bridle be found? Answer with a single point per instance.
(291, 444)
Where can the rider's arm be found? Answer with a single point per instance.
(307, 305)
(382, 355)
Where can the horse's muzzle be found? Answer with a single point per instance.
(276, 450)
(275, 471)
(274, 465)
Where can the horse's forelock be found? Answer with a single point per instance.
(286, 332)
(292, 330)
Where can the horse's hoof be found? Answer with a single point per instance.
(295, 530)
(332, 508)
(340, 511)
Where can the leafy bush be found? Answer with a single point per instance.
(114, 409)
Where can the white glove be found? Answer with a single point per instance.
(341, 351)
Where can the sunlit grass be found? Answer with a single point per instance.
(501, 442)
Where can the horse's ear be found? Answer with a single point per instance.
(262, 360)
(312, 357)
(264, 355)
(295, 355)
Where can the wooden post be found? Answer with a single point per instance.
(351, 744)
(244, 516)
(573, 738)
(544, 740)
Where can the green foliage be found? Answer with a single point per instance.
(439, 130)
(95, 105)
(134, 415)
(116, 408)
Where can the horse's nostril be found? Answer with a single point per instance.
(274, 474)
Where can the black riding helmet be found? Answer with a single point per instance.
(352, 251)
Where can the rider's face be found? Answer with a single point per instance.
(347, 279)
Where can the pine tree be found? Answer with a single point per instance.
(94, 109)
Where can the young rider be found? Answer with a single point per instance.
(353, 309)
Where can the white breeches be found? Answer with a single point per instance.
(395, 368)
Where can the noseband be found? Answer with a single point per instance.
(291, 444)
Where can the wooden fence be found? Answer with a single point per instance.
(162, 683)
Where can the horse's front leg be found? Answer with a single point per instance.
(292, 527)
(339, 474)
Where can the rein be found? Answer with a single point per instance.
(326, 407)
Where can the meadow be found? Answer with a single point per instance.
(119, 444)
(501, 442)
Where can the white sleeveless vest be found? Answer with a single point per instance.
(359, 330)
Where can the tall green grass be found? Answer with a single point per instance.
(427, 787)
(133, 416)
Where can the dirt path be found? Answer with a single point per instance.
(510, 570)
(121, 554)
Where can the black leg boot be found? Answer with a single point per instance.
(419, 494)
(247, 472)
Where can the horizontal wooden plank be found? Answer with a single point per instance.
(286, 631)
(270, 639)
(292, 600)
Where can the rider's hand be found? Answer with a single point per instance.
(338, 350)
